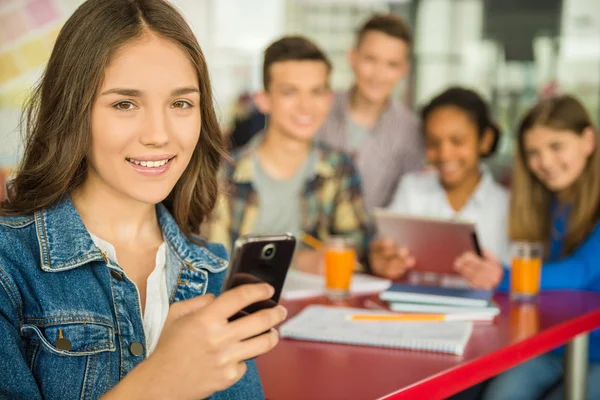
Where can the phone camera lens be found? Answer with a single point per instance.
(268, 252)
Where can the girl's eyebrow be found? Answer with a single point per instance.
(123, 92)
(137, 93)
(185, 90)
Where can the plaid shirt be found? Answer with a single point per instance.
(331, 205)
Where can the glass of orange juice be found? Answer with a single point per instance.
(525, 270)
(340, 259)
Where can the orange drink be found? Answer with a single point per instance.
(340, 259)
(525, 270)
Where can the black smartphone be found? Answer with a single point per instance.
(257, 259)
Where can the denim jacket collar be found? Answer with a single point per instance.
(189, 253)
(66, 244)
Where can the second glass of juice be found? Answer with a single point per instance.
(340, 259)
(525, 270)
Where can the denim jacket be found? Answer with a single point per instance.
(71, 322)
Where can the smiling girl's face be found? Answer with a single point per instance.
(557, 157)
(453, 145)
(145, 120)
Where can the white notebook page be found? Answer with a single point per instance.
(330, 324)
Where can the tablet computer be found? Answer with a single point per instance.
(435, 243)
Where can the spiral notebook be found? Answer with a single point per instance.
(331, 324)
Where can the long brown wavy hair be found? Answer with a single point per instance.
(531, 200)
(57, 119)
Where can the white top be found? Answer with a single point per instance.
(157, 298)
(421, 194)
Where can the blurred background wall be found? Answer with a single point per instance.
(512, 51)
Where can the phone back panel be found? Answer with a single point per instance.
(257, 259)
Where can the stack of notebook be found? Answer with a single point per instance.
(440, 300)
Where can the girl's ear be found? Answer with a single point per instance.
(486, 141)
(589, 140)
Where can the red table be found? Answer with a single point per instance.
(307, 370)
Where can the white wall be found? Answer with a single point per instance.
(449, 47)
(578, 68)
(239, 32)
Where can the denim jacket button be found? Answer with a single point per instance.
(116, 275)
(63, 344)
(136, 348)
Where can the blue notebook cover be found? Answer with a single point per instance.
(401, 292)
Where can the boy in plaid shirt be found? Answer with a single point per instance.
(282, 181)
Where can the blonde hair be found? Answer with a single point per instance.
(531, 201)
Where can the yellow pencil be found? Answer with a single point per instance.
(311, 241)
(421, 317)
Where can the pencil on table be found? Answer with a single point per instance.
(311, 241)
(420, 317)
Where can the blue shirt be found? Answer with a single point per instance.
(55, 284)
(559, 230)
(578, 271)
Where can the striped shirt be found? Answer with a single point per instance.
(394, 147)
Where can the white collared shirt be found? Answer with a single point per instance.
(157, 298)
(421, 194)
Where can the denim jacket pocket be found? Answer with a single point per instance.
(73, 338)
(74, 348)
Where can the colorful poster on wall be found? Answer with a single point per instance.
(28, 29)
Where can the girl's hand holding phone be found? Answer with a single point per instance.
(200, 352)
